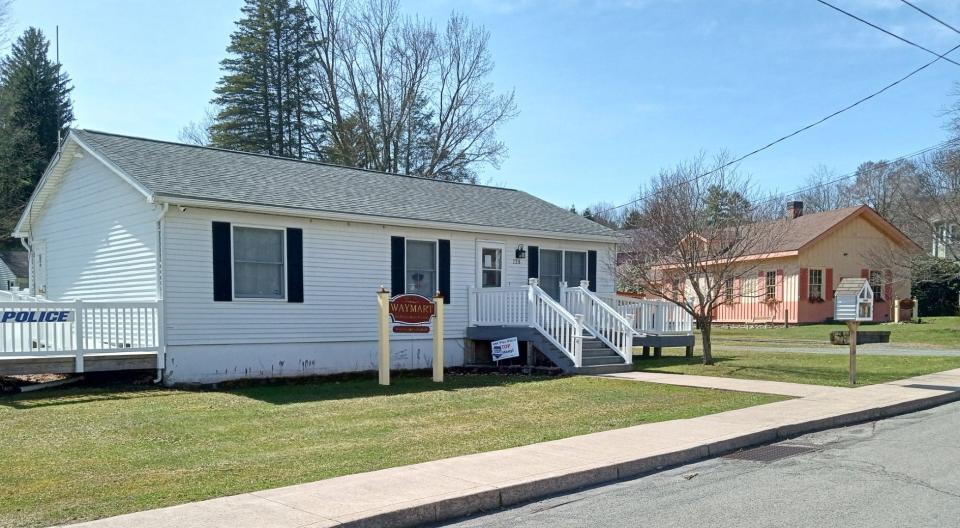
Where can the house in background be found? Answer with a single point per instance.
(269, 267)
(795, 281)
(14, 270)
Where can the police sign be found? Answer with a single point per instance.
(38, 316)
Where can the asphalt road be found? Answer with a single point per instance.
(900, 472)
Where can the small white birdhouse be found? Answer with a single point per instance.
(853, 300)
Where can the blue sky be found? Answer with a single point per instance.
(609, 91)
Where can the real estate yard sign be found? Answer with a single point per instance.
(505, 349)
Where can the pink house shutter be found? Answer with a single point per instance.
(779, 284)
(828, 284)
(761, 286)
(736, 289)
(864, 273)
(888, 286)
(804, 275)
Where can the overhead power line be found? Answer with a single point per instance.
(894, 35)
(788, 136)
(931, 16)
(795, 192)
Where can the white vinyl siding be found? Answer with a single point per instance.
(344, 263)
(100, 236)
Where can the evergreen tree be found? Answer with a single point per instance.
(266, 94)
(35, 112)
(724, 206)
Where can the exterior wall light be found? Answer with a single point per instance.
(521, 253)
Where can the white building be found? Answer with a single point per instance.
(268, 267)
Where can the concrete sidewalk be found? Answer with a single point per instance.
(449, 488)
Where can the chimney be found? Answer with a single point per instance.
(794, 209)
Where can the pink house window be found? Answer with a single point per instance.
(815, 284)
(770, 283)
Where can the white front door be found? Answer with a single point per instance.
(39, 271)
(489, 264)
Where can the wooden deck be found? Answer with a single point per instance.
(66, 364)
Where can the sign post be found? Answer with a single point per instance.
(383, 356)
(409, 314)
(438, 338)
(853, 326)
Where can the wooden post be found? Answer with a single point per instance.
(383, 357)
(78, 324)
(853, 326)
(895, 316)
(916, 310)
(786, 317)
(438, 338)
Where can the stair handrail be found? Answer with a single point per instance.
(562, 328)
(601, 319)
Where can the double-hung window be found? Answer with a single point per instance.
(815, 284)
(421, 273)
(728, 290)
(876, 283)
(770, 285)
(258, 263)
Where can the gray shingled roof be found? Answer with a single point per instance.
(185, 171)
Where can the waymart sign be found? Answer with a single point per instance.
(38, 316)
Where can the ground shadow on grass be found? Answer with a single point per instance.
(75, 395)
(275, 392)
(319, 389)
(645, 363)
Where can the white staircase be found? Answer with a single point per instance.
(587, 333)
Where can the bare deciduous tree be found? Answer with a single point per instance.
(198, 132)
(683, 254)
(822, 192)
(397, 96)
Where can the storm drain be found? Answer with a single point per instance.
(769, 453)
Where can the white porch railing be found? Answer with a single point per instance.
(601, 319)
(532, 307)
(17, 295)
(500, 306)
(651, 316)
(43, 328)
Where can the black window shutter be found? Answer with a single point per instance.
(397, 265)
(294, 265)
(592, 270)
(533, 262)
(443, 262)
(222, 265)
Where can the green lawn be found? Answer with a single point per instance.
(799, 367)
(86, 453)
(936, 331)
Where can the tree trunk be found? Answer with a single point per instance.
(705, 329)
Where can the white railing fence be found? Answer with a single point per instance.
(529, 306)
(17, 295)
(649, 316)
(43, 328)
(500, 306)
(603, 321)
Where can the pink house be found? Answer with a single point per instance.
(795, 282)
